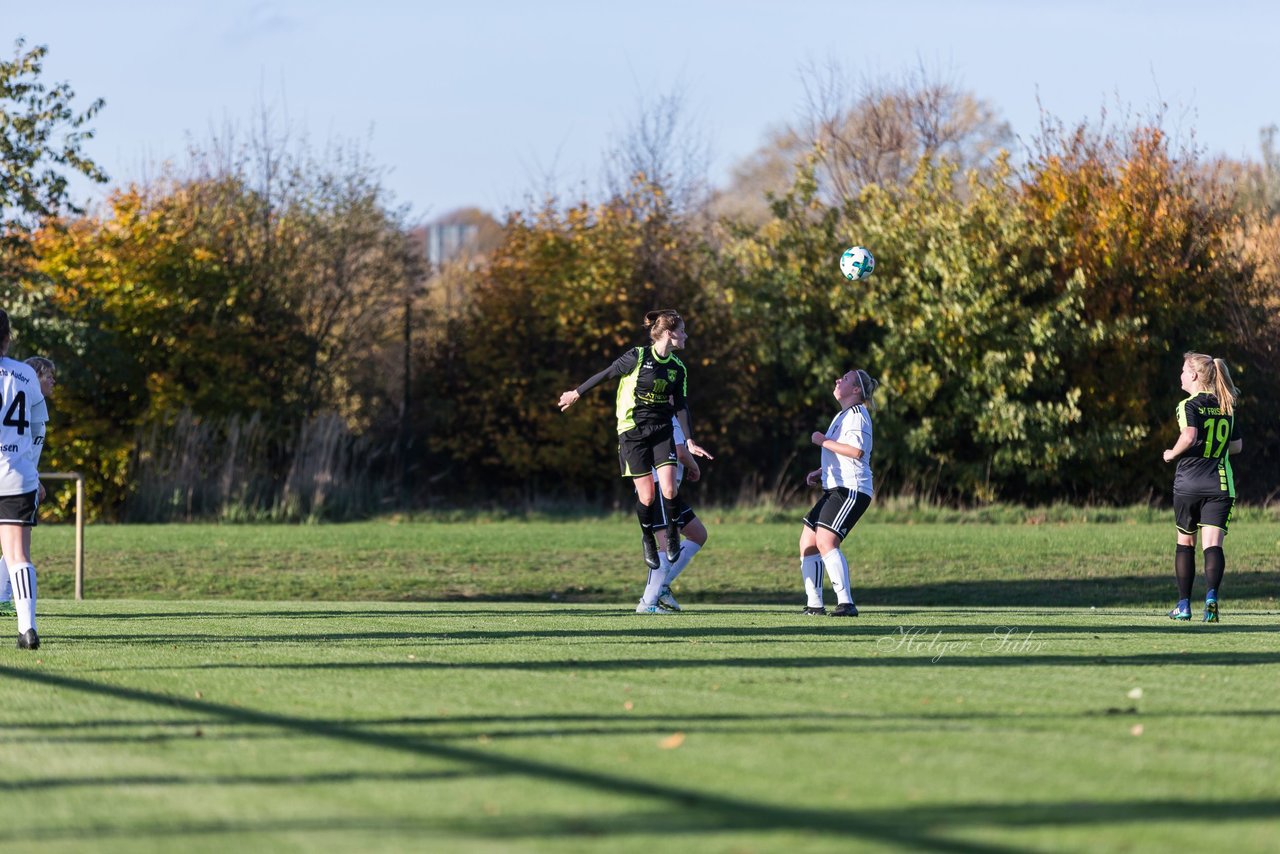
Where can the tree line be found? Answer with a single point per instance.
(256, 334)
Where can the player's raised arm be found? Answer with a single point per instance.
(620, 367)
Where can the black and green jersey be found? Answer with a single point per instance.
(1205, 467)
(652, 390)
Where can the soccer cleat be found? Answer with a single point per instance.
(666, 601)
(1179, 614)
(642, 608)
(7, 609)
(1210, 611)
(845, 609)
(650, 549)
(810, 611)
(673, 548)
(28, 640)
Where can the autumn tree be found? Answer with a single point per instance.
(149, 315)
(258, 284)
(559, 299)
(1131, 217)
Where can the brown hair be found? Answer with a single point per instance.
(869, 385)
(5, 331)
(660, 321)
(1216, 378)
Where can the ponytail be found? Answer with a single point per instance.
(869, 385)
(1224, 387)
(1215, 377)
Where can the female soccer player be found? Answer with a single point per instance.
(1204, 490)
(657, 597)
(845, 475)
(22, 418)
(46, 374)
(653, 389)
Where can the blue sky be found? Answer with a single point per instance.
(481, 102)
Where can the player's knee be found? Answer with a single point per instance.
(827, 542)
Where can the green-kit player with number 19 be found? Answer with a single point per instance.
(1204, 489)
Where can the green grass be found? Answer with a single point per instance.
(1071, 564)
(197, 701)
(216, 725)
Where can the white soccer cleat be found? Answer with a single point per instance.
(666, 601)
(642, 608)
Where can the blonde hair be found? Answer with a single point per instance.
(660, 321)
(1215, 376)
(42, 366)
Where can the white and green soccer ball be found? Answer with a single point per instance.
(857, 263)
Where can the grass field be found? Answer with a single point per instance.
(1008, 687)
(747, 561)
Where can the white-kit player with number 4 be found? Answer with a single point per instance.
(23, 414)
(845, 475)
(47, 376)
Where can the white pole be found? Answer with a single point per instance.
(79, 479)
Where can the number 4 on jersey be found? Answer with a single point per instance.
(16, 414)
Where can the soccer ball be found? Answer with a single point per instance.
(857, 263)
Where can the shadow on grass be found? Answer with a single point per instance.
(676, 809)
(925, 828)
(1077, 591)
(873, 655)
(300, 779)
(885, 629)
(1074, 592)
(464, 730)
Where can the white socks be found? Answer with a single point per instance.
(811, 571)
(657, 578)
(667, 571)
(838, 572)
(6, 586)
(23, 579)
(688, 548)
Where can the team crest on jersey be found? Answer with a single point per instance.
(671, 375)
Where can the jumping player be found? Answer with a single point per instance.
(657, 597)
(653, 389)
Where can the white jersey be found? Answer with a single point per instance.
(23, 414)
(677, 438)
(851, 427)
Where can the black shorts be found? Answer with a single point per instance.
(838, 510)
(683, 513)
(1192, 512)
(20, 509)
(642, 449)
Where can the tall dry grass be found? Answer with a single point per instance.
(244, 469)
